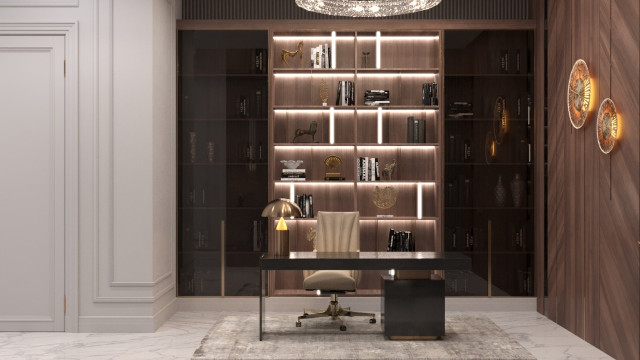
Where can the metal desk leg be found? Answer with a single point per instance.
(261, 305)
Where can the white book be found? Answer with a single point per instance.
(312, 52)
(372, 169)
(366, 168)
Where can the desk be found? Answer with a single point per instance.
(358, 261)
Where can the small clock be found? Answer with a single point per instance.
(578, 94)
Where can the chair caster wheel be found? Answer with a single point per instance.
(298, 324)
(372, 321)
(343, 328)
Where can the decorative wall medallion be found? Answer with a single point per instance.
(578, 94)
(385, 197)
(500, 118)
(607, 125)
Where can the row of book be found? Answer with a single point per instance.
(368, 169)
(401, 241)
(376, 97)
(346, 93)
(293, 175)
(321, 57)
(305, 202)
(458, 109)
(430, 94)
(415, 130)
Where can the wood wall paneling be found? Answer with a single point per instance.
(593, 198)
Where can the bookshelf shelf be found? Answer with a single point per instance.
(358, 131)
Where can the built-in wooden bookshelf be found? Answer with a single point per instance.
(400, 62)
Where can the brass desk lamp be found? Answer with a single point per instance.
(281, 208)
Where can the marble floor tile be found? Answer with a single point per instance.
(181, 335)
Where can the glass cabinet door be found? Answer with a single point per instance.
(222, 161)
(488, 179)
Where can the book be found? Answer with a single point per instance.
(293, 171)
(415, 130)
(421, 134)
(334, 178)
(293, 179)
(410, 129)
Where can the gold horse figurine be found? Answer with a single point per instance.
(286, 53)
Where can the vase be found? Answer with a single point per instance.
(517, 190)
(500, 193)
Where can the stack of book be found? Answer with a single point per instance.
(368, 169)
(293, 175)
(458, 109)
(376, 97)
(345, 93)
(321, 57)
(305, 202)
(415, 130)
(430, 94)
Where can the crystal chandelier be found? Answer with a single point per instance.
(366, 8)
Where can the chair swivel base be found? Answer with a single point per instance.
(335, 311)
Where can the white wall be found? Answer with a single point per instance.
(126, 158)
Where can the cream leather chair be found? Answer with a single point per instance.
(336, 232)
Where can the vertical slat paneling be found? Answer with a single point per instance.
(591, 190)
(620, 228)
(562, 63)
(593, 198)
(287, 9)
(552, 203)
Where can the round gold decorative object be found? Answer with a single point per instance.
(607, 125)
(578, 94)
(500, 119)
(385, 197)
(490, 148)
(332, 162)
(324, 92)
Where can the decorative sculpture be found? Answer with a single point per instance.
(324, 92)
(286, 53)
(313, 127)
(385, 197)
(389, 169)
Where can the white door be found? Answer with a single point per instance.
(32, 209)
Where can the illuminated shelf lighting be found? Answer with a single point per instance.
(327, 183)
(378, 183)
(297, 146)
(397, 218)
(328, 37)
(314, 111)
(379, 74)
(322, 74)
(396, 110)
(426, 37)
(381, 147)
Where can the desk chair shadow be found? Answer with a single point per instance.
(336, 232)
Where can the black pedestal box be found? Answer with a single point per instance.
(412, 309)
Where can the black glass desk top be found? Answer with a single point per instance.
(367, 260)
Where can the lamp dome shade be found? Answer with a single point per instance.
(281, 208)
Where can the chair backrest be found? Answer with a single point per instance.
(338, 232)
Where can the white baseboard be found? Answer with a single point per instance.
(370, 304)
(116, 324)
(165, 313)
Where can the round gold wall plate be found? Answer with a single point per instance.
(385, 197)
(578, 94)
(607, 125)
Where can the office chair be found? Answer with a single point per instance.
(336, 232)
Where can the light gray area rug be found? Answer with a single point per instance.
(467, 337)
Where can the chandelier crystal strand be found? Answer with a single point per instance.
(366, 8)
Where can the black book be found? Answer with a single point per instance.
(410, 129)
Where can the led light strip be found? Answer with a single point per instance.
(426, 37)
(280, 37)
(393, 147)
(327, 183)
(396, 110)
(322, 74)
(296, 146)
(410, 183)
(311, 111)
(377, 74)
